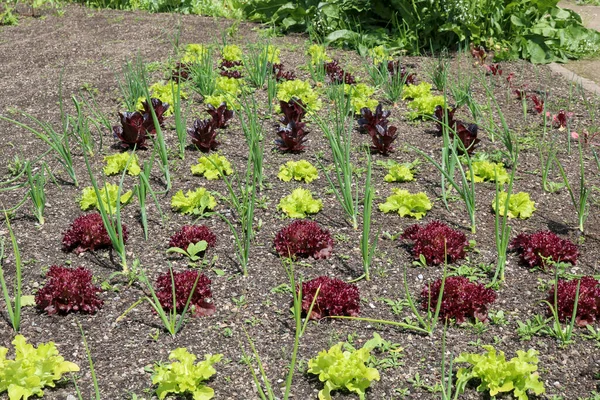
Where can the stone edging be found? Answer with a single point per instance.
(587, 84)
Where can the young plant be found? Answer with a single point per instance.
(325, 296)
(539, 247)
(345, 370)
(203, 74)
(300, 203)
(203, 135)
(68, 290)
(183, 376)
(180, 126)
(212, 166)
(304, 238)
(133, 83)
(436, 242)
(487, 171)
(406, 204)
(13, 308)
(87, 233)
(501, 228)
(519, 205)
(37, 194)
(198, 202)
(32, 369)
(581, 202)
(577, 298)
(258, 61)
(192, 241)
(108, 197)
(397, 172)
(367, 246)
(141, 191)
(301, 170)
(301, 90)
(377, 127)
(115, 164)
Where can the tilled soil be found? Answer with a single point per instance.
(87, 48)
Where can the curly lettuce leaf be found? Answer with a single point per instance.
(299, 204)
(318, 54)
(193, 202)
(232, 52)
(423, 89)
(116, 164)
(487, 171)
(299, 89)
(360, 96)
(519, 205)
(184, 377)
(108, 196)
(399, 172)
(211, 165)
(193, 53)
(298, 170)
(406, 204)
(424, 105)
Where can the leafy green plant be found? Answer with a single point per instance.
(423, 102)
(37, 183)
(256, 63)
(345, 370)
(108, 196)
(226, 91)
(32, 369)
(212, 166)
(406, 204)
(398, 172)
(360, 96)
(500, 376)
(301, 170)
(183, 376)
(165, 92)
(299, 89)
(487, 171)
(519, 205)
(197, 202)
(193, 250)
(116, 163)
(300, 203)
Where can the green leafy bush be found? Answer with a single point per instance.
(489, 171)
(299, 204)
(108, 196)
(193, 53)
(360, 96)
(415, 91)
(318, 54)
(231, 52)
(519, 205)
(209, 166)
(163, 92)
(299, 89)
(399, 172)
(227, 91)
(197, 202)
(184, 377)
(406, 204)
(345, 369)
(499, 376)
(298, 170)
(116, 164)
(32, 369)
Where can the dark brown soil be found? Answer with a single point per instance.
(88, 47)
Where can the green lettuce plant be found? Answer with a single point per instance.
(299, 89)
(407, 204)
(299, 204)
(519, 205)
(360, 96)
(423, 102)
(182, 376)
(212, 166)
(196, 202)
(108, 197)
(301, 170)
(32, 369)
(231, 52)
(399, 172)
(226, 90)
(164, 92)
(116, 163)
(193, 53)
(487, 171)
(347, 369)
(497, 376)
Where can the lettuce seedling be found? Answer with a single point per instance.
(304, 238)
(161, 95)
(301, 90)
(197, 202)
(462, 299)
(406, 204)
(345, 370)
(299, 204)
(588, 304)
(193, 53)
(399, 172)
(519, 205)
(211, 167)
(180, 286)
(87, 232)
(203, 135)
(437, 242)
(184, 377)
(116, 164)
(32, 369)
(539, 247)
(108, 196)
(487, 171)
(301, 170)
(360, 96)
(68, 290)
(425, 105)
(497, 376)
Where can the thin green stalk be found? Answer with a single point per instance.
(36, 192)
(502, 229)
(580, 204)
(367, 246)
(134, 82)
(141, 191)
(256, 65)
(203, 73)
(92, 369)
(180, 128)
(13, 308)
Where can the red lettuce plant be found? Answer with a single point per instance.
(336, 297)
(536, 248)
(383, 139)
(520, 94)
(133, 130)
(370, 119)
(538, 103)
(561, 119)
(203, 135)
(493, 69)
(394, 68)
(226, 64)
(462, 299)
(231, 73)
(280, 74)
(336, 73)
(304, 238)
(180, 72)
(184, 283)
(479, 54)
(191, 234)
(68, 290)
(467, 133)
(159, 109)
(293, 110)
(435, 241)
(588, 304)
(220, 115)
(440, 117)
(87, 232)
(291, 137)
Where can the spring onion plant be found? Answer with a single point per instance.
(13, 308)
(36, 183)
(461, 89)
(17, 171)
(253, 132)
(338, 130)
(502, 229)
(271, 92)
(80, 128)
(438, 70)
(92, 369)
(581, 202)
(110, 219)
(203, 73)
(133, 83)
(141, 191)
(180, 128)
(447, 374)
(367, 246)
(256, 64)
(563, 335)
